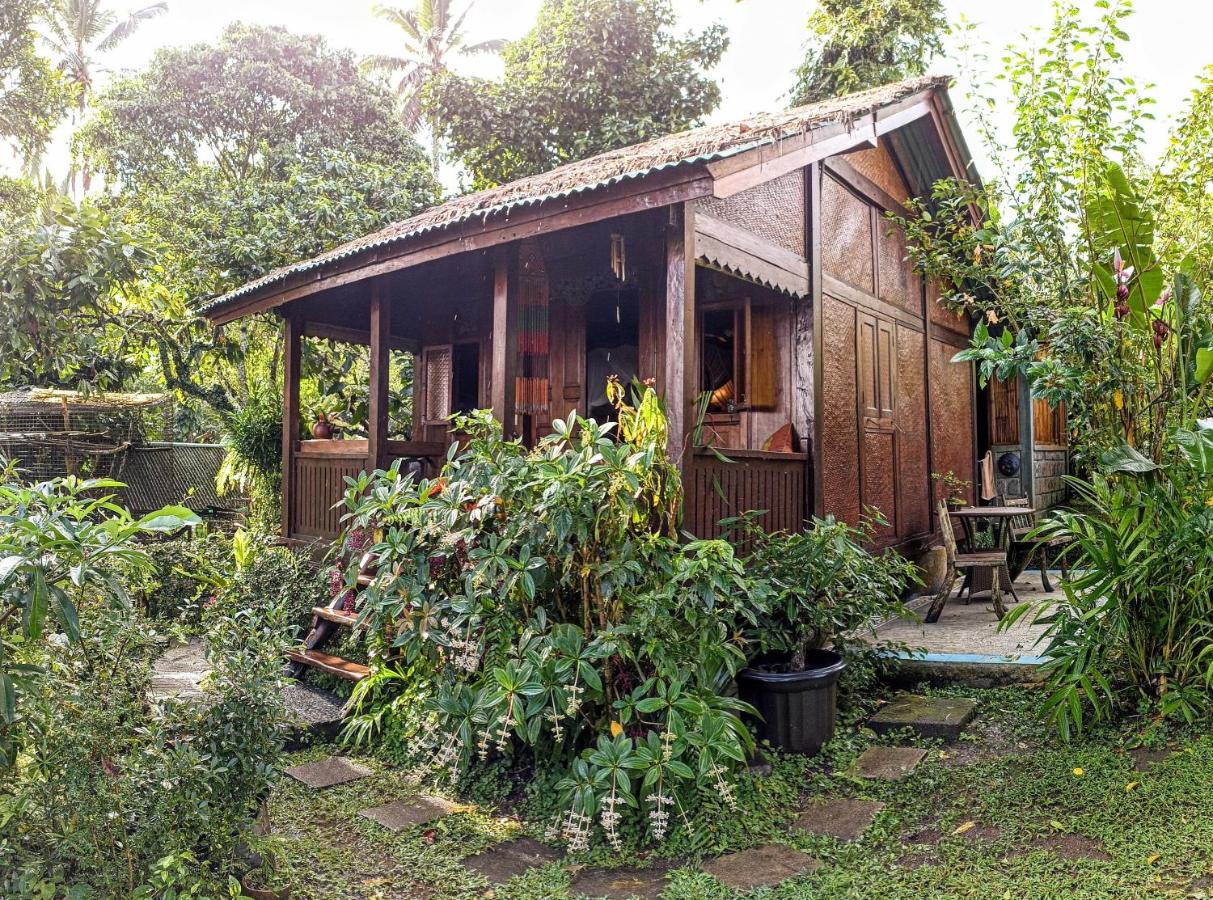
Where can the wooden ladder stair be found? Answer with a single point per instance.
(326, 623)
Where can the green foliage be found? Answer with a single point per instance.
(1136, 626)
(826, 589)
(102, 786)
(33, 97)
(591, 76)
(65, 313)
(432, 36)
(253, 463)
(58, 545)
(1061, 255)
(539, 599)
(859, 44)
(265, 579)
(230, 194)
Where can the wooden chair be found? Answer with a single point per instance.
(990, 560)
(1025, 549)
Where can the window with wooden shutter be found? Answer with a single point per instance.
(763, 357)
(436, 364)
(877, 360)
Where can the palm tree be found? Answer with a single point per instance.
(431, 39)
(79, 30)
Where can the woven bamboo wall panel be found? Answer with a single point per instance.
(913, 475)
(846, 236)
(840, 428)
(940, 315)
(878, 165)
(951, 413)
(899, 284)
(773, 210)
(879, 481)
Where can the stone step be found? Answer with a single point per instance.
(930, 717)
(401, 814)
(334, 665)
(760, 867)
(329, 772)
(315, 715)
(886, 763)
(507, 860)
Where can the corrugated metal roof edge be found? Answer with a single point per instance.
(488, 211)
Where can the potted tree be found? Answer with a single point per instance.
(825, 589)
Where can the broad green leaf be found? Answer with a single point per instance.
(1197, 446)
(1204, 364)
(1126, 459)
(170, 518)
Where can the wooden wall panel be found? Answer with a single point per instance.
(839, 452)
(1004, 412)
(773, 210)
(846, 236)
(754, 480)
(951, 414)
(880, 481)
(913, 468)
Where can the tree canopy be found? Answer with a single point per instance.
(591, 76)
(32, 95)
(858, 44)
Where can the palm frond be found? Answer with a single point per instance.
(131, 23)
(406, 20)
(496, 45)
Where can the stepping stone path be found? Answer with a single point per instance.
(314, 713)
(931, 717)
(329, 772)
(178, 673)
(620, 884)
(757, 867)
(887, 763)
(501, 863)
(401, 814)
(1144, 760)
(845, 820)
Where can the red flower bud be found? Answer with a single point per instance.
(1122, 292)
(1122, 310)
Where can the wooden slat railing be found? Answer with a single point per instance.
(755, 479)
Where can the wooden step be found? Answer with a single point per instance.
(339, 616)
(334, 665)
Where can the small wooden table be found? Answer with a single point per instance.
(1001, 516)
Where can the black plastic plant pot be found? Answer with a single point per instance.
(797, 708)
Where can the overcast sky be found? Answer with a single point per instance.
(1169, 47)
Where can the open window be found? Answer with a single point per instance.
(452, 381)
(739, 356)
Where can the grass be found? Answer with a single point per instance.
(1048, 821)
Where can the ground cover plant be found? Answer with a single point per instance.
(1009, 810)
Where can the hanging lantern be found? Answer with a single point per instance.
(619, 257)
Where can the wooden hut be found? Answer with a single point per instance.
(750, 261)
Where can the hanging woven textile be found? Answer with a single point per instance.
(531, 384)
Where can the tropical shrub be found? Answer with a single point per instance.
(101, 787)
(826, 588)
(541, 602)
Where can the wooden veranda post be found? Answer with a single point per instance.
(680, 372)
(505, 337)
(380, 365)
(291, 333)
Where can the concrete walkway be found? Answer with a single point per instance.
(969, 632)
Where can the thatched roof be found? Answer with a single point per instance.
(686, 148)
